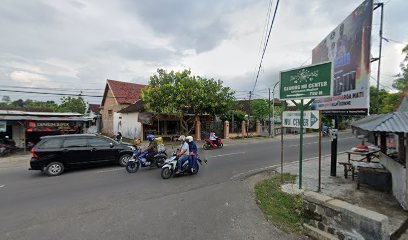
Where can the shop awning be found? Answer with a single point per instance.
(396, 122)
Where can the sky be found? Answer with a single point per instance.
(66, 46)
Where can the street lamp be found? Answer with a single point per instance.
(273, 109)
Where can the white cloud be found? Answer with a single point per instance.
(29, 79)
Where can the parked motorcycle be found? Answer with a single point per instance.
(7, 146)
(188, 167)
(210, 145)
(139, 160)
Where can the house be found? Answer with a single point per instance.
(93, 112)
(117, 95)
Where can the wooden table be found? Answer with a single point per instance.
(348, 166)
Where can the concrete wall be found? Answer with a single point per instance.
(107, 120)
(399, 179)
(18, 135)
(343, 220)
(127, 124)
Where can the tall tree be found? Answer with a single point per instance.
(72, 104)
(401, 81)
(181, 93)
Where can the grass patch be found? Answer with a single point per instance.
(284, 210)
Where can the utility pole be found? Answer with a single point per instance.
(269, 113)
(380, 50)
(249, 112)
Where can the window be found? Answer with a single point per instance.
(97, 142)
(75, 142)
(51, 143)
(110, 112)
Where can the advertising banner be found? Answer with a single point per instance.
(348, 47)
(292, 119)
(307, 82)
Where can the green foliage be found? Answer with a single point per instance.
(401, 81)
(179, 93)
(20, 103)
(382, 101)
(71, 104)
(237, 115)
(260, 109)
(283, 209)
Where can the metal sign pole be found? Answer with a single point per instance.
(301, 106)
(320, 151)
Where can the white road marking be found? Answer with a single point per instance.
(2, 186)
(111, 170)
(228, 154)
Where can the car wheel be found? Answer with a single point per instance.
(54, 169)
(124, 159)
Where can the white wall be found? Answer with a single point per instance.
(18, 135)
(399, 175)
(127, 124)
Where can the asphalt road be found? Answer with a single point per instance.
(109, 203)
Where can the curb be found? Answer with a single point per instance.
(250, 173)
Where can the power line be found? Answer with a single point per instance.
(266, 44)
(62, 89)
(61, 94)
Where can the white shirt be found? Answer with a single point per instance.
(183, 147)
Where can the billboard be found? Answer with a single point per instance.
(348, 47)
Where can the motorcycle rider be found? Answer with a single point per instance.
(152, 148)
(213, 138)
(183, 152)
(325, 130)
(193, 149)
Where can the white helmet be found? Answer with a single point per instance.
(189, 139)
(182, 138)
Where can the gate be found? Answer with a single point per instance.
(216, 126)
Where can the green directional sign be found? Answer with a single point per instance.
(292, 119)
(313, 81)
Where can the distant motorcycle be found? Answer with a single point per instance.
(188, 167)
(210, 145)
(139, 160)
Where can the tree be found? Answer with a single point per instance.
(401, 81)
(382, 101)
(72, 104)
(180, 93)
(260, 109)
(5, 99)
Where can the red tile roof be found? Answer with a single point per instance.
(124, 92)
(94, 108)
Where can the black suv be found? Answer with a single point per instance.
(53, 154)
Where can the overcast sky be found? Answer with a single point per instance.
(81, 43)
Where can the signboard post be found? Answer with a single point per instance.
(306, 83)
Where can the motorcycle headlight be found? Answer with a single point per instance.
(133, 148)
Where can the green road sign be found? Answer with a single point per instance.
(313, 81)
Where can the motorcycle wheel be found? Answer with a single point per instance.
(206, 146)
(166, 173)
(132, 167)
(221, 145)
(196, 169)
(160, 162)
